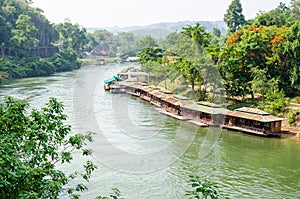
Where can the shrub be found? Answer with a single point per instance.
(204, 189)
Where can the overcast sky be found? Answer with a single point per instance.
(108, 13)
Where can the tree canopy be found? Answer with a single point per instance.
(252, 56)
(31, 46)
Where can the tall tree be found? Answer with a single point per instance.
(295, 7)
(23, 33)
(170, 42)
(5, 35)
(72, 36)
(270, 48)
(191, 67)
(198, 35)
(292, 51)
(189, 71)
(217, 32)
(126, 44)
(46, 34)
(280, 16)
(150, 54)
(148, 42)
(234, 17)
(101, 41)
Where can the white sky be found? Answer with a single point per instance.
(108, 13)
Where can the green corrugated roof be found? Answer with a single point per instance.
(205, 109)
(118, 78)
(112, 79)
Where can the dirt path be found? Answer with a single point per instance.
(289, 131)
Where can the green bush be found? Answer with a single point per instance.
(291, 117)
(204, 189)
(297, 99)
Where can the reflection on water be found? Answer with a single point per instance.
(149, 155)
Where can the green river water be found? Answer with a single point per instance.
(148, 155)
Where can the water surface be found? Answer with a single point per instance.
(149, 155)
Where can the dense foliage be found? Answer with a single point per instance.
(24, 28)
(271, 48)
(32, 46)
(257, 56)
(31, 146)
(268, 44)
(182, 57)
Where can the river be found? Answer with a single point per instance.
(150, 155)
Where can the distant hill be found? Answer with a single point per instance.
(161, 30)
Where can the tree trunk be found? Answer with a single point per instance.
(3, 49)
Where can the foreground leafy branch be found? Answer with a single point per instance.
(32, 145)
(116, 194)
(203, 189)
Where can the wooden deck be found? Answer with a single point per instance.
(198, 123)
(251, 131)
(179, 117)
(171, 114)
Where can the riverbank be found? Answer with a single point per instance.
(16, 68)
(247, 120)
(291, 131)
(246, 101)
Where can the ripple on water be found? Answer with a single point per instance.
(243, 166)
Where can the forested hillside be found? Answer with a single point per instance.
(32, 46)
(161, 30)
(24, 31)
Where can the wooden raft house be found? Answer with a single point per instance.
(252, 120)
(246, 120)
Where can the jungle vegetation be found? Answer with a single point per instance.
(256, 56)
(31, 46)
